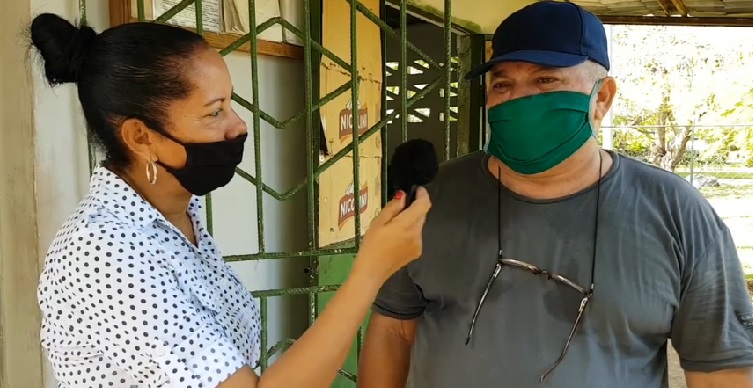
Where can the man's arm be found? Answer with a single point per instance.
(712, 329)
(727, 378)
(385, 357)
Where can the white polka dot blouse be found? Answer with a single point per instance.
(128, 301)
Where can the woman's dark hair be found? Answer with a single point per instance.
(130, 71)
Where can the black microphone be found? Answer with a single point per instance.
(413, 164)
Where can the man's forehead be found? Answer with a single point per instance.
(510, 69)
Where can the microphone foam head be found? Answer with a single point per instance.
(413, 163)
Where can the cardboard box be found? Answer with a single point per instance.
(337, 115)
(336, 36)
(337, 193)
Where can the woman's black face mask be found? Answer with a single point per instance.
(209, 166)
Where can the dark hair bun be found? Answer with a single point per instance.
(62, 45)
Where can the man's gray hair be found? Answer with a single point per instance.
(593, 72)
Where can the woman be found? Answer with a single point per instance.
(134, 292)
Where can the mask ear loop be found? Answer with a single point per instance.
(594, 95)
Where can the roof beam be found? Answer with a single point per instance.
(681, 8)
(677, 21)
(666, 6)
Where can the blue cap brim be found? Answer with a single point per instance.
(537, 57)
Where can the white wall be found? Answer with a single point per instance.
(486, 14)
(62, 172)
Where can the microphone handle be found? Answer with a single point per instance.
(411, 195)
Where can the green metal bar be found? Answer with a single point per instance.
(199, 17)
(286, 24)
(266, 24)
(476, 135)
(210, 214)
(341, 62)
(308, 102)
(383, 109)
(348, 375)
(379, 125)
(243, 39)
(311, 158)
(355, 119)
(403, 68)
(177, 8)
(359, 342)
(263, 294)
(264, 356)
(281, 346)
(293, 119)
(290, 255)
(254, 52)
(200, 30)
(91, 150)
(342, 153)
(447, 75)
(235, 45)
(430, 17)
(82, 11)
(140, 14)
(394, 35)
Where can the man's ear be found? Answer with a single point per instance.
(138, 138)
(604, 98)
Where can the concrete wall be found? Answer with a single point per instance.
(20, 358)
(484, 14)
(44, 174)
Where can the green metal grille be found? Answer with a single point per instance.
(313, 51)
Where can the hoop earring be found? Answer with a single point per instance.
(151, 172)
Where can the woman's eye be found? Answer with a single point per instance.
(216, 113)
(547, 80)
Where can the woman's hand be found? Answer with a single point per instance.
(394, 237)
(393, 240)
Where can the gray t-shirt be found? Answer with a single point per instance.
(666, 267)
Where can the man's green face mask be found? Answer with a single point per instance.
(535, 133)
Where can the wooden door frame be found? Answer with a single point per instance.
(21, 361)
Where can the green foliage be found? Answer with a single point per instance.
(675, 85)
(747, 144)
(633, 143)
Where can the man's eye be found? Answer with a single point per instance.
(547, 80)
(216, 113)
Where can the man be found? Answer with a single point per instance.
(631, 255)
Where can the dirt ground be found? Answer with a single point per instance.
(676, 375)
(733, 205)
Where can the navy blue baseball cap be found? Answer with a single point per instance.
(548, 33)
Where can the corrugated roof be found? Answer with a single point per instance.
(687, 10)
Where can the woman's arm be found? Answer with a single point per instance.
(324, 347)
(314, 358)
(393, 240)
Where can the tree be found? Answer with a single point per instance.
(744, 139)
(671, 80)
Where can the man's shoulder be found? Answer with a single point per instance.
(656, 187)
(460, 170)
(642, 170)
(655, 180)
